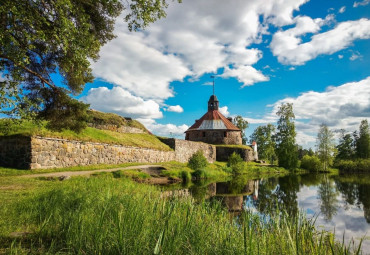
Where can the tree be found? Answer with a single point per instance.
(345, 147)
(325, 146)
(40, 39)
(263, 135)
(363, 140)
(286, 149)
(242, 124)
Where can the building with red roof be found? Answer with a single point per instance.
(213, 127)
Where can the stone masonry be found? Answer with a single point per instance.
(40, 152)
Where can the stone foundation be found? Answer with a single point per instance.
(41, 152)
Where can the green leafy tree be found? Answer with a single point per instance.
(345, 147)
(286, 148)
(363, 140)
(325, 146)
(242, 124)
(263, 135)
(42, 39)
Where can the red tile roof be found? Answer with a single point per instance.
(213, 116)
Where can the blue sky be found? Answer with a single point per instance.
(314, 54)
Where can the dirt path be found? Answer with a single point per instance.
(79, 173)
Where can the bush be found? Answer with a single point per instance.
(197, 161)
(236, 163)
(359, 165)
(311, 163)
(234, 159)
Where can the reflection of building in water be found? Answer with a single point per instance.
(234, 200)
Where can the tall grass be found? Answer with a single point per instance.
(116, 216)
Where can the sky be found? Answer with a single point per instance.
(314, 54)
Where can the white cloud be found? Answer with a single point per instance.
(224, 111)
(355, 55)
(175, 108)
(167, 130)
(338, 107)
(342, 9)
(196, 37)
(122, 102)
(248, 75)
(362, 3)
(340, 56)
(130, 63)
(287, 46)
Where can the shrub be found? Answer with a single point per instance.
(234, 159)
(311, 163)
(197, 161)
(359, 165)
(236, 163)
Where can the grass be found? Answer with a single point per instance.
(14, 172)
(27, 128)
(102, 118)
(104, 215)
(240, 146)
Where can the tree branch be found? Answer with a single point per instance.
(42, 79)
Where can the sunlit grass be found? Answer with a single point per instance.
(104, 215)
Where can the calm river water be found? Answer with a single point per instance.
(341, 203)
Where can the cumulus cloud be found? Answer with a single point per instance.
(342, 9)
(338, 107)
(196, 37)
(175, 108)
(355, 55)
(224, 111)
(362, 3)
(247, 75)
(168, 130)
(122, 102)
(288, 47)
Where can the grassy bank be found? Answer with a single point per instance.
(27, 128)
(103, 215)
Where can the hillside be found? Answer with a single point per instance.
(144, 140)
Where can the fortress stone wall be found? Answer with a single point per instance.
(40, 152)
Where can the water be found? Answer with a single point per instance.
(340, 203)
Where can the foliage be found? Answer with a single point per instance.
(185, 176)
(44, 39)
(302, 152)
(197, 161)
(29, 128)
(263, 135)
(240, 146)
(363, 141)
(311, 163)
(116, 216)
(236, 163)
(242, 124)
(286, 149)
(325, 146)
(345, 148)
(358, 165)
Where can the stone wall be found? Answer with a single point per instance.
(40, 152)
(15, 151)
(185, 149)
(223, 153)
(215, 136)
